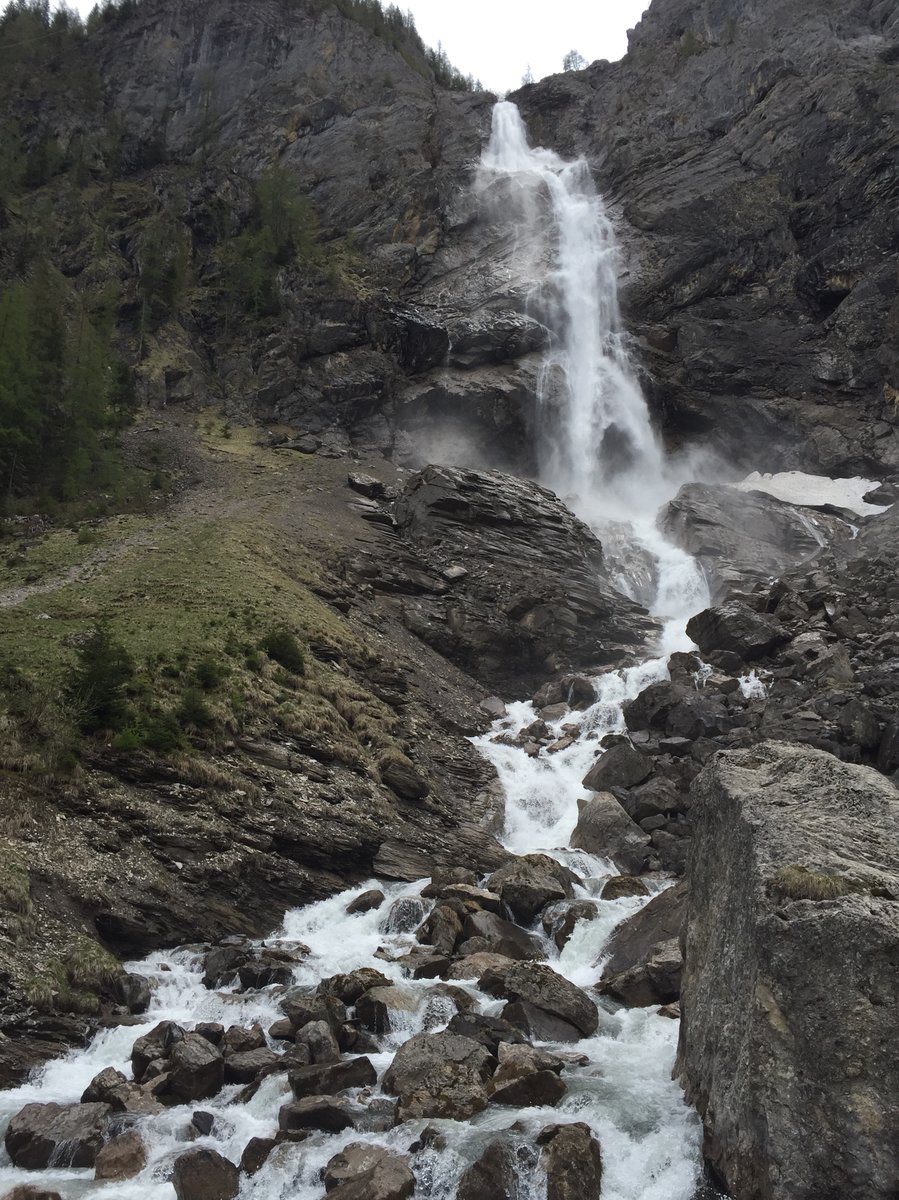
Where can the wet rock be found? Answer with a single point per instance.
(212, 1031)
(69, 1135)
(30, 1191)
(112, 1088)
(328, 1079)
(348, 988)
(620, 886)
(622, 765)
(572, 1160)
(237, 1039)
(406, 913)
(493, 1176)
(490, 1032)
(157, 1044)
(643, 963)
(366, 902)
(196, 1069)
(442, 929)
(604, 828)
(735, 628)
(560, 920)
(281, 1030)
(439, 1075)
(255, 1154)
(223, 962)
(269, 966)
(122, 1158)
(328, 1114)
(473, 898)
(374, 1008)
(301, 1006)
(526, 885)
(421, 965)
(792, 973)
(545, 604)
(202, 1123)
(538, 985)
(526, 1078)
(362, 1171)
(502, 937)
(246, 1065)
(320, 1040)
(134, 992)
(203, 1174)
(473, 966)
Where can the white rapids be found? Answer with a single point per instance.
(602, 455)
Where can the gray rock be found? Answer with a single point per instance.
(605, 829)
(366, 901)
(196, 1069)
(539, 985)
(122, 1158)
(792, 974)
(374, 1008)
(320, 1040)
(246, 1065)
(735, 628)
(328, 1079)
(526, 885)
(439, 1075)
(526, 1078)
(572, 1161)
(502, 937)
(493, 1176)
(68, 1135)
(362, 1171)
(203, 1174)
(327, 1114)
(622, 765)
(642, 959)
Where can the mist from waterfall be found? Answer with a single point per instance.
(598, 449)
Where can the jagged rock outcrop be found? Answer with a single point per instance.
(509, 584)
(790, 983)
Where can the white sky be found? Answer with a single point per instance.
(496, 40)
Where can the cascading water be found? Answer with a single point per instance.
(603, 456)
(598, 447)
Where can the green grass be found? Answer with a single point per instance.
(796, 882)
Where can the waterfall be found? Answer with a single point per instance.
(598, 449)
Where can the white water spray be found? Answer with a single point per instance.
(598, 448)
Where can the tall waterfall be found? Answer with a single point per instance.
(602, 444)
(598, 449)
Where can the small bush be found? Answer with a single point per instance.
(795, 882)
(87, 536)
(282, 646)
(96, 686)
(193, 711)
(162, 733)
(208, 674)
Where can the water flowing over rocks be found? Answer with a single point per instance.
(790, 973)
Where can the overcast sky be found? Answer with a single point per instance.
(496, 40)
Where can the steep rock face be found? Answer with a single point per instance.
(749, 153)
(790, 981)
(524, 589)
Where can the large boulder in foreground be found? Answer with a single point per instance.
(439, 1075)
(643, 960)
(68, 1135)
(533, 596)
(735, 628)
(790, 993)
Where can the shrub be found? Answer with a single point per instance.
(193, 710)
(96, 685)
(162, 733)
(282, 646)
(208, 674)
(796, 882)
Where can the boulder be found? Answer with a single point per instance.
(540, 986)
(526, 1078)
(203, 1174)
(247, 1065)
(501, 937)
(642, 961)
(31, 1191)
(330, 1078)
(493, 1176)
(572, 1160)
(442, 929)
(122, 1158)
(491, 1032)
(366, 902)
(560, 920)
(620, 886)
(157, 1044)
(622, 765)
(237, 1040)
(348, 988)
(320, 1040)
(223, 962)
(374, 1008)
(302, 1006)
(327, 1114)
(68, 1135)
(791, 974)
(362, 1171)
(439, 1075)
(526, 885)
(604, 828)
(406, 913)
(473, 897)
(133, 991)
(537, 1024)
(196, 1069)
(473, 966)
(111, 1087)
(735, 628)
(255, 1154)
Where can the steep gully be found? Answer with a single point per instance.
(601, 454)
